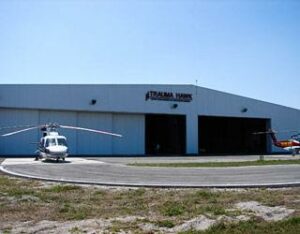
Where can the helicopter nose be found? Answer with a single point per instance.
(58, 150)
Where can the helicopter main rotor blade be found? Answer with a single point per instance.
(91, 130)
(19, 131)
(16, 126)
(267, 132)
(273, 131)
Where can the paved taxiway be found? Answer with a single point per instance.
(114, 171)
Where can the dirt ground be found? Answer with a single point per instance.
(199, 223)
(32, 206)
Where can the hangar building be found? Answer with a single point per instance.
(153, 119)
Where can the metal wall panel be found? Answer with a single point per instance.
(132, 128)
(91, 143)
(23, 143)
(80, 142)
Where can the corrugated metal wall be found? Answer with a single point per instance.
(122, 109)
(80, 143)
(20, 143)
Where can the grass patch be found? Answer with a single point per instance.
(219, 164)
(204, 194)
(171, 208)
(121, 227)
(214, 209)
(164, 207)
(289, 226)
(6, 181)
(76, 230)
(72, 212)
(7, 231)
(62, 188)
(165, 223)
(16, 188)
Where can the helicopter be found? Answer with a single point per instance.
(52, 145)
(292, 144)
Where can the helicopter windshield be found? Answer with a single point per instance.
(50, 142)
(61, 141)
(296, 137)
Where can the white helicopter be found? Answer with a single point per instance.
(52, 145)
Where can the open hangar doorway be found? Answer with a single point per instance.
(165, 134)
(232, 135)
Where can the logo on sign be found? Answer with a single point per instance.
(168, 96)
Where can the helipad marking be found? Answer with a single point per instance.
(31, 161)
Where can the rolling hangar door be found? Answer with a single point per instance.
(131, 126)
(165, 134)
(232, 135)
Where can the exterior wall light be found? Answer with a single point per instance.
(174, 106)
(244, 110)
(93, 102)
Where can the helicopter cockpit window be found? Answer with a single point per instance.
(296, 137)
(61, 141)
(50, 142)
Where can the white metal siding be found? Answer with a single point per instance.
(121, 108)
(132, 127)
(80, 142)
(92, 143)
(23, 143)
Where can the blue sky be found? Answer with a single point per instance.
(250, 48)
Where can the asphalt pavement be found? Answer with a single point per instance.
(115, 171)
